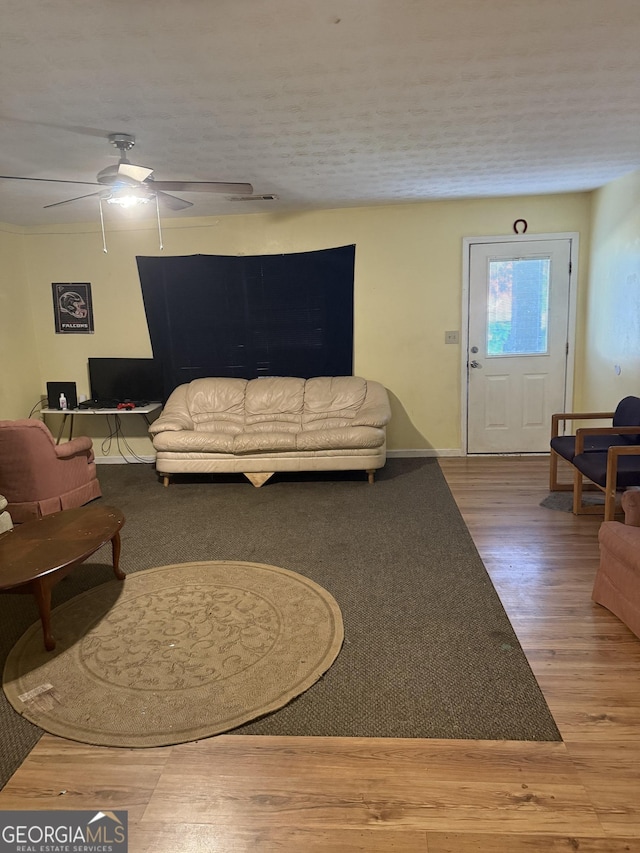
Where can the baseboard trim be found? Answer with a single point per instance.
(426, 451)
(124, 460)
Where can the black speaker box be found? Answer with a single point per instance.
(54, 389)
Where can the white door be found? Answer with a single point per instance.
(518, 342)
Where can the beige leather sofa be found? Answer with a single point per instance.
(283, 423)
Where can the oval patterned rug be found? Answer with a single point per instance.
(175, 654)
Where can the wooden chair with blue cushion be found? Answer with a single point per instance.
(607, 456)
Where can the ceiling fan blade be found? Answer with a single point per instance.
(69, 200)
(172, 202)
(138, 173)
(203, 187)
(71, 128)
(48, 180)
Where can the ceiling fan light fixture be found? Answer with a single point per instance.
(127, 198)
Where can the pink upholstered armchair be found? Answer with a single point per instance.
(38, 477)
(617, 583)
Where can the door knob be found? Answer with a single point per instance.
(475, 363)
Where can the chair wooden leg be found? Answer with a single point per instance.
(577, 492)
(610, 487)
(553, 471)
(165, 480)
(554, 484)
(371, 474)
(610, 505)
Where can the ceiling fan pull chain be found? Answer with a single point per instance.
(104, 239)
(159, 226)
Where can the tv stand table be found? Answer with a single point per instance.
(70, 414)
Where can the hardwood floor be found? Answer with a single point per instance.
(233, 793)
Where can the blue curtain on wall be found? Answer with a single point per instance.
(268, 315)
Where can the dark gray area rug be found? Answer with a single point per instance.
(429, 651)
(563, 501)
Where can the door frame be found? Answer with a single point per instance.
(467, 243)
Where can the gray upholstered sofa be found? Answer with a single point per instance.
(279, 423)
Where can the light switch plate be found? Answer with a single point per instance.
(452, 337)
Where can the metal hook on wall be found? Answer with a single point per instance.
(524, 226)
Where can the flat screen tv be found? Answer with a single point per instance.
(122, 380)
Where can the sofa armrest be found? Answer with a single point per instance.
(375, 410)
(375, 416)
(81, 444)
(170, 423)
(175, 416)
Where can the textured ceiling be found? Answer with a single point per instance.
(326, 103)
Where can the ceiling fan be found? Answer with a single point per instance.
(126, 184)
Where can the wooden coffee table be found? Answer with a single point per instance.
(35, 555)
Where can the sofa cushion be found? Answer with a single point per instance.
(351, 437)
(627, 413)
(260, 442)
(565, 445)
(274, 399)
(333, 398)
(594, 466)
(194, 441)
(219, 426)
(216, 399)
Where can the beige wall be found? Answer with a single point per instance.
(408, 291)
(612, 315)
(18, 352)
